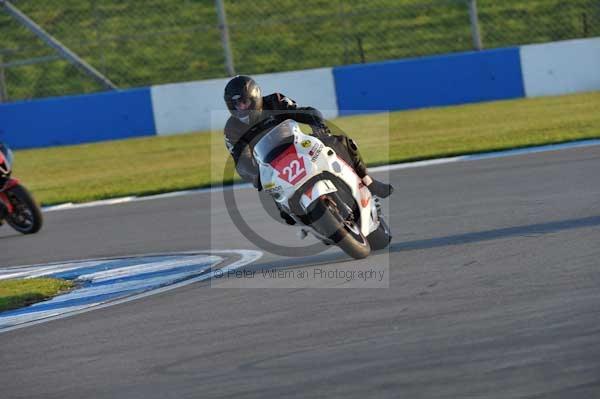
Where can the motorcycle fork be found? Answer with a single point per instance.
(6, 208)
(12, 182)
(345, 211)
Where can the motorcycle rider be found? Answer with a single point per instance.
(248, 107)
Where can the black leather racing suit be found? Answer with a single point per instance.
(278, 106)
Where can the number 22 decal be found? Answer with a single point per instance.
(293, 170)
(289, 165)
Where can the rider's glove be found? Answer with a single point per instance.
(320, 130)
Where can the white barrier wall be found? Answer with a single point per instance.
(186, 107)
(198, 106)
(561, 67)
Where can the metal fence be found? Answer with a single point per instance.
(144, 42)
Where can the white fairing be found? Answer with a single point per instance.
(306, 157)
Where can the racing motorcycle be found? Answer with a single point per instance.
(17, 206)
(314, 185)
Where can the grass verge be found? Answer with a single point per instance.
(168, 41)
(17, 293)
(161, 164)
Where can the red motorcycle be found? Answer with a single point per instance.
(17, 206)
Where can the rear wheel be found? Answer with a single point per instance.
(26, 217)
(380, 238)
(345, 233)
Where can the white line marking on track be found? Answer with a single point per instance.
(383, 168)
(246, 257)
(487, 155)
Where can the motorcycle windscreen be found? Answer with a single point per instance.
(275, 142)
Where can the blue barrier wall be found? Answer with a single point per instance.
(393, 85)
(77, 119)
(429, 81)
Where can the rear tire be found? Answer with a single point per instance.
(27, 216)
(380, 238)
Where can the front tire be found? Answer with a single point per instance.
(26, 217)
(353, 242)
(344, 233)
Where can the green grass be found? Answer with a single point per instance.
(138, 43)
(17, 293)
(161, 164)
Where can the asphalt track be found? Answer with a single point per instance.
(493, 292)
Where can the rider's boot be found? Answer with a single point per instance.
(377, 188)
(287, 218)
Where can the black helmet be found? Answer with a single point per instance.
(243, 98)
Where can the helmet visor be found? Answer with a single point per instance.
(242, 106)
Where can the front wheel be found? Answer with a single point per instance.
(26, 216)
(353, 242)
(346, 234)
